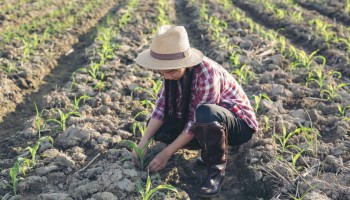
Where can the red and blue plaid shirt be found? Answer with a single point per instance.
(212, 84)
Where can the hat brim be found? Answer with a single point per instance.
(145, 60)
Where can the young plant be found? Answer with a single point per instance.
(141, 157)
(38, 119)
(342, 110)
(63, 118)
(332, 91)
(316, 75)
(13, 174)
(33, 150)
(156, 86)
(244, 74)
(77, 101)
(147, 193)
(284, 138)
(258, 98)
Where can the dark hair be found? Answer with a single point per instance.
(171, 87)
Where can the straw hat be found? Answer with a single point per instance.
(170, 49)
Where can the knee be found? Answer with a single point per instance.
(205, 114)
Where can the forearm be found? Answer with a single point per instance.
(177, 144)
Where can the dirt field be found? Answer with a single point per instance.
(70, 93)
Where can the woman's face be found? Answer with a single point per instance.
(172, 74)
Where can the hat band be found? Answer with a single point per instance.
(171, 56)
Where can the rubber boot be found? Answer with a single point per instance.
(213, 139)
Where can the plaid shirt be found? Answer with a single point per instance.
(212, 84)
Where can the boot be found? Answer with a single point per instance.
(213, 139)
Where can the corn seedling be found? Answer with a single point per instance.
(304, 60)
(33, 150)
(13, 174)
(311, 137)
(332, 91)
(244, 74)
(142, 158)
(203, 11)
(295, 158)
(147, 193)
(9, 68)
(267, 123)
(38, 119)
(138, 125)
(63, 118)
(346, 42)
(284, 138)
(316, 75)
(297, 17)
(77, 101)
(347, 6)
(258, 98)
(156, 87)
(342, 110)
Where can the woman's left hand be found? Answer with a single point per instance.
(159, 162)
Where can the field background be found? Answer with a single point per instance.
(71, 94)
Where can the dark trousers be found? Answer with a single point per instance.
(238, 130)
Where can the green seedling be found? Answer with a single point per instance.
(38, 119)
(342, 110)
(297, 17)
(244, 74)
(284, 138)
(258, 98)
(332, 91)
(77, 101)
(63, 118)
(13, 174)
(141, 158)
(295, 158)
(33, 150)
(267, 123)
(311, 137)
(316, 75)
(138, 125)
(147, 193)
(156, 86)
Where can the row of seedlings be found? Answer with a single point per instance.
(286, 129)
(14, 15)
(330, 41)
(30, 50)
(338, 10)
(95, 119)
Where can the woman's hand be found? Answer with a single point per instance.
(159, 162)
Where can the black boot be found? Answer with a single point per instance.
(213, 139)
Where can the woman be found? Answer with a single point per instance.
(200, 106)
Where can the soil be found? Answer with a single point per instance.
(89, 161)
